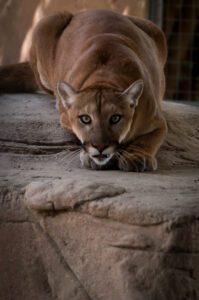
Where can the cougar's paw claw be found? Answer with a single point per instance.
(138, 163)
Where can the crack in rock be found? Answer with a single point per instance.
(67, 195)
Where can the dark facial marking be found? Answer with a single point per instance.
(98, 100)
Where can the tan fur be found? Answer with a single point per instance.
(99, 54)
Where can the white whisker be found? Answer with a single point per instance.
(121, 158)
(127, 158)
(70, 157)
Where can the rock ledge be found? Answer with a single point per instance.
(72, 234)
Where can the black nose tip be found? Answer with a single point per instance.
(100, 147)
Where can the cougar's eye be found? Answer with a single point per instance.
(114, 119)
(85, 119)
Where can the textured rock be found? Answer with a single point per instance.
(68, 233)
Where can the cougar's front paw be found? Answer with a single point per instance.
(137, 162)
(87, 162)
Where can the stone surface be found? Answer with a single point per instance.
(68, 233)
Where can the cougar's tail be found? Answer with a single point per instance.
(17, 78)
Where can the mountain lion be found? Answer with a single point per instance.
(106, 71)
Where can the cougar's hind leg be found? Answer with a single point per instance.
(45, 38)
(155, 33)
(35, 74)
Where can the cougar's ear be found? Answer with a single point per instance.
(66, 93)
(134, 92)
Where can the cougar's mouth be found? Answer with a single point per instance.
(101, 156)
(101, 159)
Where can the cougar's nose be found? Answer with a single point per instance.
(100, 147)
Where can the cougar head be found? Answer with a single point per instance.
(101, 118)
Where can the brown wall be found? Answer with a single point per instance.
(18, 18)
